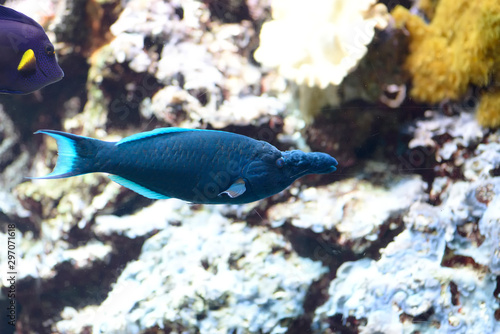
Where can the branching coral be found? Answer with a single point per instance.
(458, 48)
(317, 43)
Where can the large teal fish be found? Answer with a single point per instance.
(27, 58)
(198, 166)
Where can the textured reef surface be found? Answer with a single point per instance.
(403, 238)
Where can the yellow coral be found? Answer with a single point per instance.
(459, 47)
(488, 111)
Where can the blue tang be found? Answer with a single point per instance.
(198, 166)
(27, 58)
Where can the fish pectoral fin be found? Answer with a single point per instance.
(141, 190)
(28, 62)
(236, 189)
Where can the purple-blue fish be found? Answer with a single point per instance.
(198, 166)
(27, 58)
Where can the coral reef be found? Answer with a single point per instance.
(413, 277)
(446, 261)
(318, 44)
(445, 55)
(356, 208)
(404, 237)
(428, 297)
(455, 50)
(202, 273)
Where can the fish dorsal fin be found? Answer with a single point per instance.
(141, 190)
(236, 189)
(10, 14)
(28, 62)
(155, 132)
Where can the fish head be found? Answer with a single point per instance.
(271, 170)
(297, 163)
(47, 69)
(264, 173)
(28, 61)
(36, 64)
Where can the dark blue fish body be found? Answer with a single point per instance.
(27, 58)
(198, 166)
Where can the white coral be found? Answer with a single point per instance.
(318, 42)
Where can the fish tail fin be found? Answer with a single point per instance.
(76, 154)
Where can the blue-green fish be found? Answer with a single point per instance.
(198, 166)
(27, 58)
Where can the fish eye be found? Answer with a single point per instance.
(280, 162)
(49, 49)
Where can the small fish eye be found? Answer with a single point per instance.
(280, 162)
(49, 49)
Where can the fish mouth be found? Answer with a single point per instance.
(301, 163)
(327, 170)
(330, 169)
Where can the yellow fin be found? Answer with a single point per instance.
(28, 62)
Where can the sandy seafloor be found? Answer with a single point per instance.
(403, 238)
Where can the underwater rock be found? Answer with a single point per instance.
(354, 207)
(244, 111)
(489, 227)
(40, 259)
(485, 162)
(70, 25)
(13, 160)
(408, 284)
(194, 62)
(54, 213)
(127, 225)
(462, 130)
(229, 11)
(351, 132)
(434, 274)
(205, 274)
(475, 203)
(176, 106)
(170, 64)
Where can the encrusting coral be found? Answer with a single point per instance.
(457, 48)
